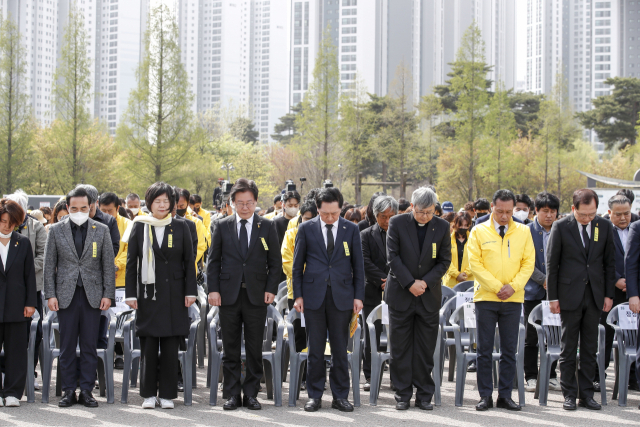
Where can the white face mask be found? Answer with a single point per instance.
(5, 236)
(79, 218)
(291, 211)
(521, 215)
(134, 210)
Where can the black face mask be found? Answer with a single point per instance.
(462, 232)
(181, 212)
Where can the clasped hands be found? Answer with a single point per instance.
(505, 292)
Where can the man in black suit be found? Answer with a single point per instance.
(581, 277)
(620, 215)
(419, 254)
(328, 287)
(376, 270)
(243, 272)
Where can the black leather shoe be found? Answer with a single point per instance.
(472, 367)
(569, 404)
(596, 386)
(485, 403)
(589, 403)
(251, 403)
(342, 405)
(403, 406)
(507, 403)
(234, 402)
(424, 405)
(86, 398)
(180, 386)
(313, 405)
(69, 399)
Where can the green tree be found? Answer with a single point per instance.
(157, 127)
(615, 117)
(243, 129)
(526, 107)
(500, 130)
(286, 130)
(17, 125)
(318, 122)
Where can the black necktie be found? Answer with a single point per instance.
(501, 231)
(329, 240)
(585, 237)
(77, 240)
(244, 238)
(384, 240)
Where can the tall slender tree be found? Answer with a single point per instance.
(157, 127)
(500, 130)
(16, 122)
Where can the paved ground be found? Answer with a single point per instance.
(201, 414)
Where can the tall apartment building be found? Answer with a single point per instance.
(375, 36)
(236, 52)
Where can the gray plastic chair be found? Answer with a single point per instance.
(215, 355)
(625, 355)
(457, 322)
(201, 345)
(282, 292)
(186, 358)
(31, 357)
(50, 352)
(283, 308)
(378, 358)
(463, 286)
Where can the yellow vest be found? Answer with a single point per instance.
(121, 257)
(288, 246)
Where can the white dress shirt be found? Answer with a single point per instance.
(4, 251)
(497, 227)
(580, 231)
(248, 226)
(334, 231)
(159, 235)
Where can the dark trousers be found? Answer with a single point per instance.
(232, 317)
(366, 361)
(78, 322)
(413, 338)
(14, 338)
(583, 323)
(39, 330)
(159, 373)
(531, 350)
(318, 322)
(608, 346)
(507, 316)
(300, 335)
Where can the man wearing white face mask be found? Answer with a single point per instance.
(291, 209)
(523, 206)
(79, 282)
(133, 204)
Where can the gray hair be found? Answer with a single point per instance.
(618, 199)
(91, 191)
(424, 197)
(382, 203)
(21, 198)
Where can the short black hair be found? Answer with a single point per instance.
(481, 204)
(371, 219)
(547, 200)
(243, 185)
(79, 192)
(309, 206)
(438, 209)
(158, 189)
(311, 195)
(345, 207)
(277, 198)
(523, 198)
(109, 198)
(584, 196)
(403, 204)
(291, 195)
(195, 199)
(329, 195)
(184, 193)
(505, 196)
(627, 193)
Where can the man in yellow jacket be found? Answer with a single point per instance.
(182, 210)
(502, 258)
(195, 203)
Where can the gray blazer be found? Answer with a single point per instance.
(37, 235)
(61, 264)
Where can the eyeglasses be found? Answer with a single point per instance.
(424, 213)
(245, 205)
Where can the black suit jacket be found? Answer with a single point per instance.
(408, 262)
(17, 280)
(175, 273)
(192, 231)
(620, 295)
(261, 268)
(570, 268)
(375, 264)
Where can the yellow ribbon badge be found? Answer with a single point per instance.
(346, 249)
(264, 243)
(95, 250)
(433, 255)
(170, 240)
(595, 236)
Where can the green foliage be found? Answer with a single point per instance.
(243, 129)
(615, 117)
(525, 106)
(286, 130)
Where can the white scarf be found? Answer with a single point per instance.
(148, 271)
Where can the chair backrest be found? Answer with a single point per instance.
(282, 292)
(629, 337)
(463, 286)
(282, 284)
(282, 305)
(194, 314)
(448, 309)
(121, 318)
(552, 334)
(447, 294)
(376, 314)
(457, 318)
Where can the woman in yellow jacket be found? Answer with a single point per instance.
(459, 270)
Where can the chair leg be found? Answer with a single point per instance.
(452, 362)
(616, 365)
(135, 363)
(460, 378)
(101, 376)
(268, 375)
(46, 368)
(355, 380)
(374, 385)
(293, 378)
(186, 377)
(126, 371)
(623, 383)
(277, 382)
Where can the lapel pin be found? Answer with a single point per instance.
(258, 225)
(93, 226)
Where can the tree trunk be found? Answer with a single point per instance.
(384, 176)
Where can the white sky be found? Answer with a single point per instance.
(521, 39)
